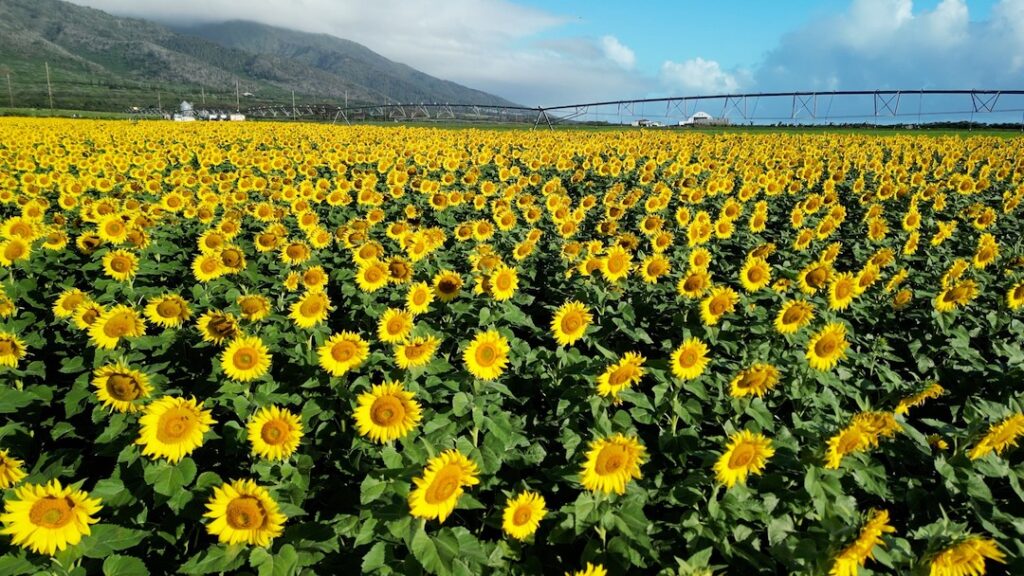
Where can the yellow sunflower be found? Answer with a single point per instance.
(120, 265)
(86, 314)
(487, 355)
(311, 309)
(217, 326)
(12, 349)
(1015, 296)
(570, 322)
(69, 301)
(119, 387)
(590, 570)
(623, 374)
(755, 274)
(611, 463)
(523, 514)
(654, 267)
(690, 359)
(387, 412)
(207, 267)
(437, 491)
(754, 381)
(13, 250)
(841, 291)
(1000, 437)
(617, 264)
(372, 275)
(173, 428)
(274, 433)
(504, 281)
(343, 352)
(794, 315)
(169, 310)
(114, 324)
(933, 390)
(746, 454)
(419, 297)
(827, 347)
(447, 285)
(814, 277)
(243, 513)
(394, 326)
(254, 307)
(966, 558)
(47, 518)
(416, 352)
(245, 358)
(862, 549)
(696, 282)
(10, 470)
(719, 302)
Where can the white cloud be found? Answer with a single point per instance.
(618, 52)
(698, 76)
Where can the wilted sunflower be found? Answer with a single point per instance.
(690, 359)
(47, 518)
(570, 322)
(419, 297)
(311, 309)
(274, 433)
(394, 325)
(504, 281)
(611, 463)
(416, 352)
(216, 326)
(794, 315)
(623, 374)
(387, 412)
(966, 558)
(827, 347)
(747, 453)
(754, 381)
(119, 322)
(862, 549)
(245, 358)
(244, 513)
(173, 428)
(169, 310)
(10, 470)
(1000, 437)
(447, 285)
(523, 514)
(343, 352)
(487, 355)
(12, 349)
(119, 387)
(437, 491)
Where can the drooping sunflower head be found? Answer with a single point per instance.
(11, 471)
(274, 433)
(570, 322)
(120, 387)
(966, 557)
(173, 428)
(47, 518)
(746, 454)
(612, 463)
(437, 491)
(387, 412)
(244, 513)
(523, 514)
(12, 349)
(343, 352)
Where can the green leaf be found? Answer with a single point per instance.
(124, 566)
(284, 563)
(425, 551)
(779, 528)
(107, 539)
(168, 479)
(12, 400)
(15, 565)
(375, 558)
(371, 489)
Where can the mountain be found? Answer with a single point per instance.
(102, 62)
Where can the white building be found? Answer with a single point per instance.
(704, 119)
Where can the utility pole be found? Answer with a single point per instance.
(159, 101)
(10, 91)
(293, 104)
(238, 104)
(204, 95)
(49, 89)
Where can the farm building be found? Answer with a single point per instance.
(704, 119)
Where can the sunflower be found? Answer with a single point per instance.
(966, 558)
(437, 491)
(12, 349)
(523, 514)
(827, 347)
(169, 310)
(343, 352)
(862, 549)
(173, 428)
(86, 314)
(617, 264)
(570, 322)
(694, 284)
(956, 295)
(7, 306)
(69, 301)
(447, 285)
(217, 326)
(863, 432)
(243, 513)
(119, 387)
(747, 453)
(621, 375)
(504, 281)
(754, 381)
(487, 355)
(419, 297)
(416, 352)
(794, 315)
(690, 359)
(394, 325)
(590, 570)
(13, 250)
(47, 518)
(387, 412)
(1015, 296)
(841, 291)
(207, 267)
(611, 463)
(245, 358)
(114, 324)
(933, 390)
(254, 307)
(372, 275)
(755, 274)
(1000, 437)
(10, 470)
(814, 277)
(295, 253)
(720, 301)
(274, 433)
(120, 265)
(311, 309)
(654, 267)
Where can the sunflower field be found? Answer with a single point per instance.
(288, 349)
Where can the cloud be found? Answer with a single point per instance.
(618, 52)
(699, 76)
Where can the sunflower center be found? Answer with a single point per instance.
(175, 425)
(250, 306)
(419, 298)
(843, 290)
(209, 265)
(373, 274)
(610, 459)
(118, 325)
(755, 275)
(395, 326)
(688, 358)
(14, 251)
(504, 282)
(168, 309)
(72, 301)
(718, 306)
(522, 515)
(120, 265)
(222, 327)
(245, 513)
(486, 355)
(52, 512)
(274, 432)
(231, 258)
(245, 358)
(445, 483)
(414, 351)
(1018, 292)
(387, 411)
(752, 379)
(296, 251)
(90, 316)
(692, 283)
(616, 263)
(114, 228)
(741, 456)
(343, 351)
(848, 442)
(6, 348)
(447, 286)
(311, 307)
(571, 322)
(826, 346)
(123, 387)
(816, 278)
(792, 315)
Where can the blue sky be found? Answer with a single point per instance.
(567, 51)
